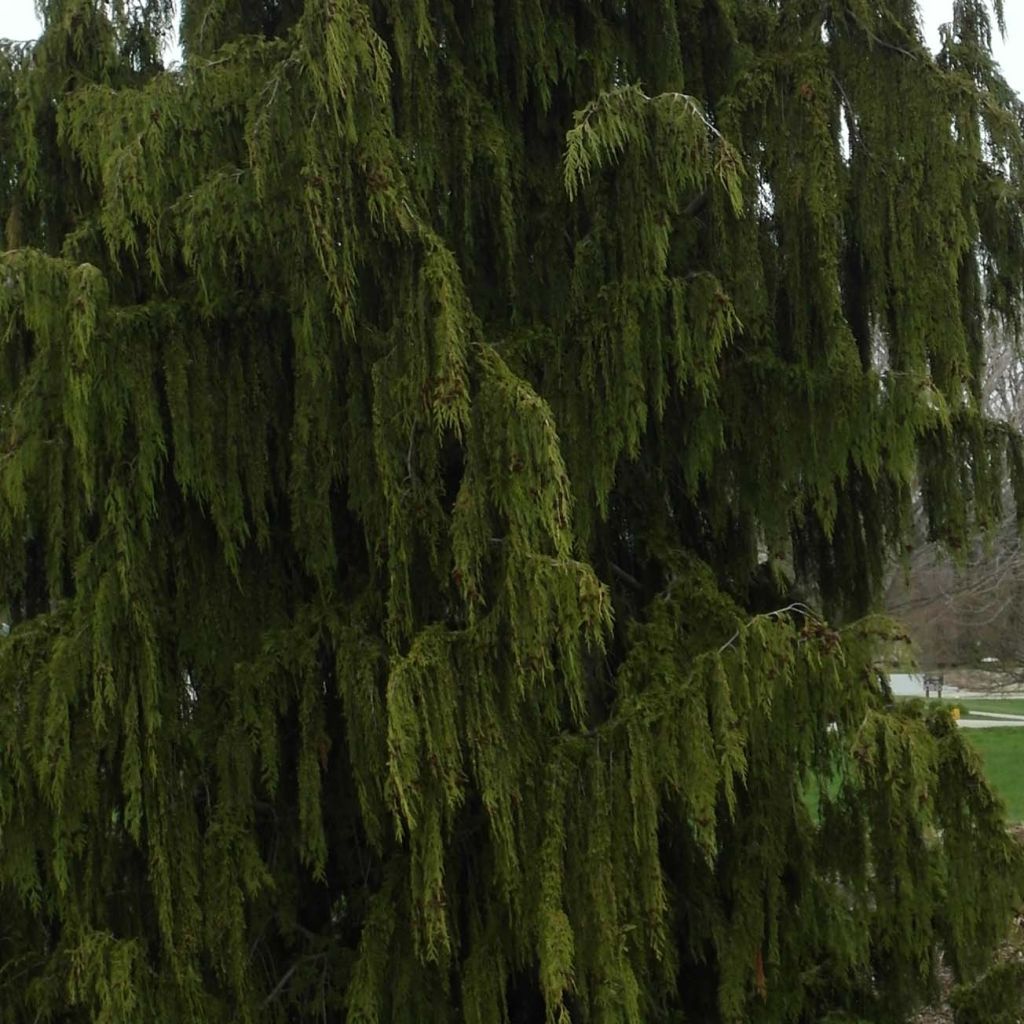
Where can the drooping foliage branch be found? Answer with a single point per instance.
(412, 417)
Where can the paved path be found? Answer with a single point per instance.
(991, 723)
(985, 719)
(912, 685)
(991, 720)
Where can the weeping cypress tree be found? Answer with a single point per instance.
(448, 454)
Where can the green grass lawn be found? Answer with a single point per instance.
(1002, 751)
(1000, 705)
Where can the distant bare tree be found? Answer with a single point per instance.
(959, 611)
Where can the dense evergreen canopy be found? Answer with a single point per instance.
(417, 423)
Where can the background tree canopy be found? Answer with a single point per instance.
(416, 420)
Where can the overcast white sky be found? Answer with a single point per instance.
(18, 21)
(1009, 53)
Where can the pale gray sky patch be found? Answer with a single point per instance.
(1009, 52)
(18, 20)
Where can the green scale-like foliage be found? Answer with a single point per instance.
(412, 418)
